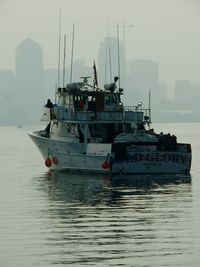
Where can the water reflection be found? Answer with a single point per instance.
(111, 221)
(90, 189)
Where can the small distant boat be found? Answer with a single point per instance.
(19, 126)
(90, 130)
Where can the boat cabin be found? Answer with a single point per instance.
(89, 114)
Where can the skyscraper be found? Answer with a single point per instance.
(108, 66)
(29, 78)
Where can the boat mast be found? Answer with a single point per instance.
(72, 53)
(59, 44)
(149, 106)
(118, 53)
(110, 59)
(108, 55)
(64, 60)
(118, 57)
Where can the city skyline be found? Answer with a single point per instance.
(126, 64)
(25, 91)
(162, 31)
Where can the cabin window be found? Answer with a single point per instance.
(114, 99)
(79, 102)
(92, 103)
(110, 99)
(107, 99)
(67, 100)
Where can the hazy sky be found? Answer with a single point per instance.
(167, 31)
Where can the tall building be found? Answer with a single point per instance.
(29, 78)
(108, 66)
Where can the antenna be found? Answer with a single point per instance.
(110, 60)
(95, 79)
(72, 52)
(118, 53)
(124, 43)
(64, 60)
(55, 93)
(108, 54)
(106, 68)
(59, 43)
(150, 106)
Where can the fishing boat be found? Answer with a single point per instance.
(90, 130)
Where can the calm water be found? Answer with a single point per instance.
(88, 220)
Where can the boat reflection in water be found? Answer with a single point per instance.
(95, 189)
(97, 220)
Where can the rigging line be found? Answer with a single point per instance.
(56, 87)
(72, 53)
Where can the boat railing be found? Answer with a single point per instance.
(136, 109)
(98, 116)
(129, 113)
(139, 110)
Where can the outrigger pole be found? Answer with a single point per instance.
(118, 53)
(59, 44)
(72, 53)
(118, 56)
(64, 60)
(150, 106)
(110, 60)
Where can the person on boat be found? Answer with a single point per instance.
(140, 126)
(151, 131)
(174, 142)
(81, 104)
(49, 104)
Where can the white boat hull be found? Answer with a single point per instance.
(76, 157)
(73, 157)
